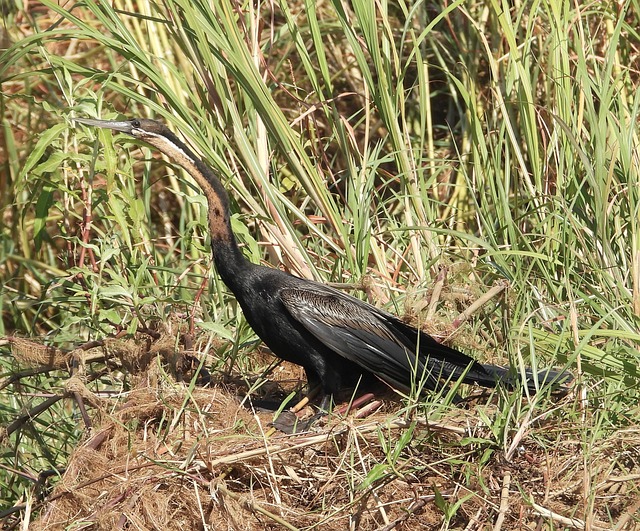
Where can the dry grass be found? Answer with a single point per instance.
(167, 456)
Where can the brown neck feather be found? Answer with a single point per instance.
(227, 256)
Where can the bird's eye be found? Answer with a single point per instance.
(135, 123)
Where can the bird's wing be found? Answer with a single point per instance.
(378, 342)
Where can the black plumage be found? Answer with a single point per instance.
(335, 337)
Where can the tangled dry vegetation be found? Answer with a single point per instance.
(169, 455)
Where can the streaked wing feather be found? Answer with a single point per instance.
(368, 337)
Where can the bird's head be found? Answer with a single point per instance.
(154, 133)
(140, 128)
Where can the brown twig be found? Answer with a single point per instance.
(22, 374)
(86, 226)
(468, 312)
(631, 512)
(83, 411)
(574, 523)
(411, 510)
(435, 293)
(196, 300)
(504, 501)
(32, 413)
(43, 406)
(254, 507)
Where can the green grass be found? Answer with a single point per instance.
(364, 143)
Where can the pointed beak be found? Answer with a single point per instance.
(114, 125)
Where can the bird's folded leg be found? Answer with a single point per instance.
(355, 404)
(288, 422)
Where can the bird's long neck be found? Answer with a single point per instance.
(227, 256)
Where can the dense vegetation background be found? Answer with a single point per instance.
(429, 154)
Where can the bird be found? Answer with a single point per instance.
(335, 337)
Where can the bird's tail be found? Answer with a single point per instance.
(494, 374)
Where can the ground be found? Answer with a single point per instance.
(174, 455)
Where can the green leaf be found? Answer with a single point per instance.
(217, 329)
(111, 315)
(118, 208)
(53, 162)
(44, 142)
(114, 292)
(45, 200)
